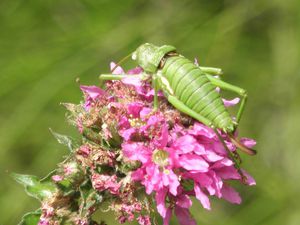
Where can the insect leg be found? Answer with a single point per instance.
(185, 109)
(155, 87)
(236, 89)
(234, 157)
(211, 70)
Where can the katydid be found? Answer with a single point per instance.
(190, 89)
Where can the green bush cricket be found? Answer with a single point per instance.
(190, 89)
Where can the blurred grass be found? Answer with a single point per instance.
(45, 45)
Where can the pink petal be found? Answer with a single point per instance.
(199, 149)
(92, 91)
(138, 174)
(232, 102)
(154, 120)
(160, 202)
(135, 70)
(212, 156)
(163, 139)
(134, 108)
(248, 142)
(222, 163)
(118, 70)
(185, 144)
(136, 151)
(184, 201)
(201, 178)
(135, 81)
(202, 197)
(250, 180)
(184, 216)
(149, 187)
(167, 217)
(228, 172)
(171, 180)
(123, 122)
(145, 111)
(230, 194)
(218, 147)
(202, 130)
(193, 162)
(126, 134)
(57, 178)
(217, 183)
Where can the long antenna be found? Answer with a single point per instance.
(120, 62)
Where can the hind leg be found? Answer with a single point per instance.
(234, 156)
(226, 86)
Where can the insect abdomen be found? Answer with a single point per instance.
(195, 90)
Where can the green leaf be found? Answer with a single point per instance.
(31, 218)
(65, 140)
(34, 187)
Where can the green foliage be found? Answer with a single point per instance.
(65, 140)
(31, 218)
(35, 187)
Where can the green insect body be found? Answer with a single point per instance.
(189, 88)
(192, 87)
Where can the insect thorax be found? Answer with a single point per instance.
(149, 56)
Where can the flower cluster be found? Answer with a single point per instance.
(131, 154)
(178, 157)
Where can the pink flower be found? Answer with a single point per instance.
(103, 182)
(84, 150)
(92, 94)
(175, 160)
(57, 178)
(144, 220)
(118, 70)
(143, 88)
(43, 222)
(193, 154)
(180, 204)
(232, 102)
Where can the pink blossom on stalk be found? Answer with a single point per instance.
(193, 154)
(180, 204)
(84, 150)
(177, 161)
(43, 222)
(92, 94)
(144, 220)
(232, 102)
(79, 125)
(57, 178)
(142, 88)
(118, 70)
(156, 171)
(103, 182)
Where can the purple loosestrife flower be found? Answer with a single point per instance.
(106, 182)
(134, 159)
(92, 93)
(170, 157)
(131, 154)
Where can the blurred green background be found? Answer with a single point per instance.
(45, 45)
